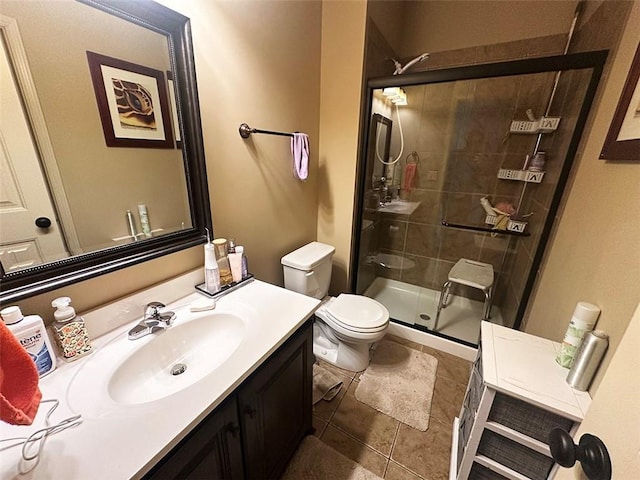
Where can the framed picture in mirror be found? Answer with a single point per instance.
(132, 103)
(623, 139)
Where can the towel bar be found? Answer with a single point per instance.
(246, 131)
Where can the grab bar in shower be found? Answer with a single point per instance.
(484, 229)
(246, 131)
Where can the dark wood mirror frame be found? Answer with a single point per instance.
(42, 278)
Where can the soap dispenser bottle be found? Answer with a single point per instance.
(70, 330)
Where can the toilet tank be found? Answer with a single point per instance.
(307, 270)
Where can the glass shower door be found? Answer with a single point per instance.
(458, 148)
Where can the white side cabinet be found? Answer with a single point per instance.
(517, 394)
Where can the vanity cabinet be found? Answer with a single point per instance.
(212, 450)
(516, 395)
(256, 431)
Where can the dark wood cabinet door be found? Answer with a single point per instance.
(211, 451)
(275, 407)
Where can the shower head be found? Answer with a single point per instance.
(400, 69)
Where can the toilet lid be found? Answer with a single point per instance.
(357, 312)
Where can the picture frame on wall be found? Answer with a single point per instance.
(174, 109)
(132, 103)
(623, 139)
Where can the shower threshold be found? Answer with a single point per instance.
(416, 306)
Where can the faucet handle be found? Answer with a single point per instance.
(152, 310)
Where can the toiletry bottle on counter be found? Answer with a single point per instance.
(235, 261)
(70, 330)
(211, 270)
(32, 335)
(220, 245)
(245, 263)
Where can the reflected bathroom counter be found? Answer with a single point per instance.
(399, 207)
(124, 439)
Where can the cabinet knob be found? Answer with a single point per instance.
(232, 428)
(591, 452)
(249, 411)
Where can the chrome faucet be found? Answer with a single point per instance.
(153, 321)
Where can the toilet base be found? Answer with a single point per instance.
(354, 357)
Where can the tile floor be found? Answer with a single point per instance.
(383, 445)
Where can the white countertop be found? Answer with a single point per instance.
(524, 366)
(116, 441)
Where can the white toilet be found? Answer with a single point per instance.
(347, 325)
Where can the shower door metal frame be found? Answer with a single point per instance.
(579, 61)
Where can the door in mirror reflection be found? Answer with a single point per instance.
(22, 242)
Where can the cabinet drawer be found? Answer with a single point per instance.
(526, 418)
(480, 472)
(519, 458)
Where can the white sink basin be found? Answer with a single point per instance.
(135, 372)
(400, 207)
(198, 347)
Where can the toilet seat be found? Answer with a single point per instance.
(357, 313)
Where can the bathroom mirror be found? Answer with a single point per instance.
(112, 205)
(381, 135)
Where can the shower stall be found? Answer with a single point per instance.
(467, 163)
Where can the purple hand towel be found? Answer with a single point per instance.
(300, 153)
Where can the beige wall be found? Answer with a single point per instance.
(594, 255)
(258, 63)
(343, 30)
(90, 170)
(619, 430)
(428, 25)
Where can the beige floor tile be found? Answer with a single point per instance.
(325, 409)
(355, 450)
(371, 427)
(319, 425)
(402, 341)
(337, 370)
(397, 472)
(425, 453)
(452, 367)
(447, 400)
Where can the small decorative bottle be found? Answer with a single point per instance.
(220, 245)
(245, 266)
(70, 330)
(144, 220)
(211, 271)
(537, 162)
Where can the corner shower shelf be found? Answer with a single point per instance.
(520, 175)
(512, 225)
(484, 229)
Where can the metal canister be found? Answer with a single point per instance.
(587, 359)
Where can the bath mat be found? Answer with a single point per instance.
(399, 382)
(325, 384)
(316, 461)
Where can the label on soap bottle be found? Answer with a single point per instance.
(34, 343)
